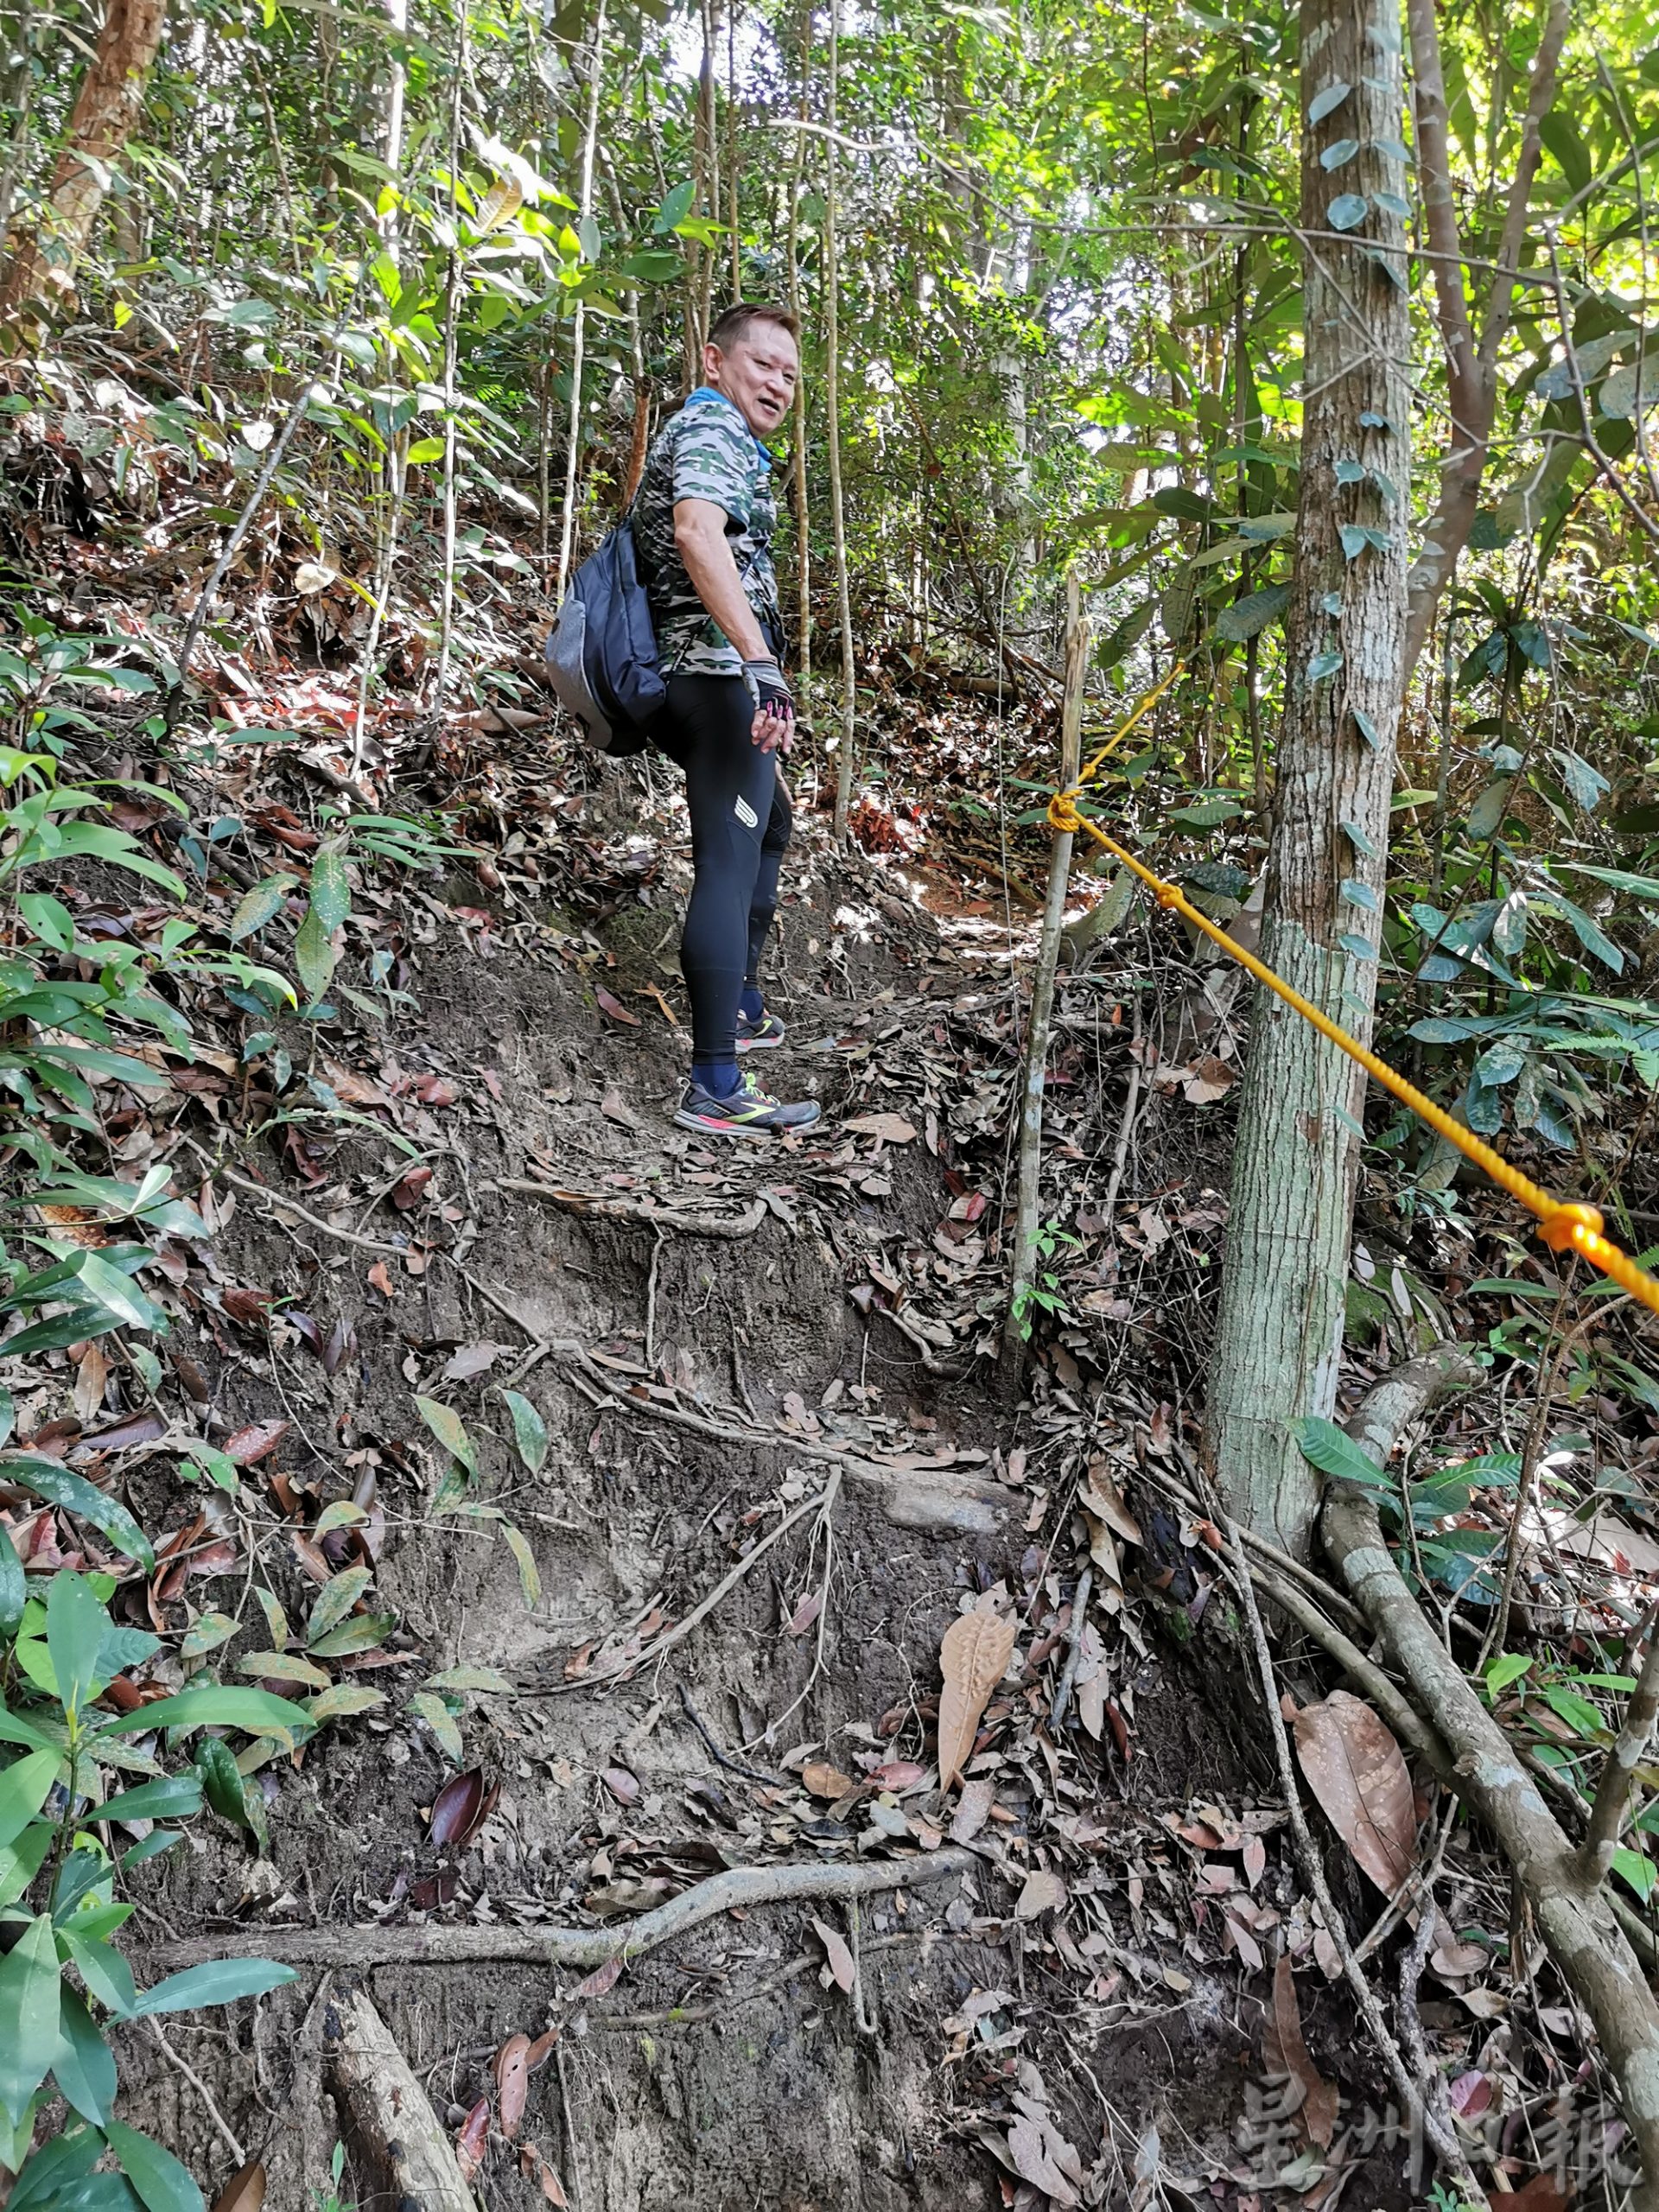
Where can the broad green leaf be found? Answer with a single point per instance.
(1328, 101)
(362, 1632)
(471, 1678)
(161, 2182)
(29, 2014)
(313, 956)
(1347, 211)
(445, 1424)
(1335, 1453)
(1507, 1668)
(336, 1600)
(207, 1633)
(528, 1431)
(257, 907)
(13, 1589)
(170, 1797)
(331, 892)
(1641, 1873)
(222, 1781)
(282, 1667)
(22, 1861)
(1245, 617)
(22, 1791)
(46, 1478)
(530, 1575)
(438, 1718)
(221, 1982)
(75, 1626)
(83, 2063)
(211, 1705)
(340, 1700)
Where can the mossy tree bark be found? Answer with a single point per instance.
(1279, 1329)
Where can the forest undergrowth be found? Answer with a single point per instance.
(531, 1515)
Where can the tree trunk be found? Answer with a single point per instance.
(579, 329)
(1279, 1336)
(1027, 1224)
(109, 104)
(798, 424)
(832, 413)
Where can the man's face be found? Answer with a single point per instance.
(758, 374)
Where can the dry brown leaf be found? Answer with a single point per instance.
(512, 2082)
(1284, 2042)
(244, 2191)
(1031, 2154)
(1354, 1767)
(1101, 1496)
(973, 1658)
(892, 1129)
(826, 1781)
(843, 1970)
(534, 2166)
(1043, 1892)
(973, 1810)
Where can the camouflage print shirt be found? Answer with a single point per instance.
(706, 452)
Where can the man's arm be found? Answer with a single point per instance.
(700, 535)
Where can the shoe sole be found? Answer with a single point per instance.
(760, 1044)
(709, 1128)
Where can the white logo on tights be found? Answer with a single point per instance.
(746, 813)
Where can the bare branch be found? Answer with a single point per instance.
(1612, 1805)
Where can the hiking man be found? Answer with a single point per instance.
(703, 520)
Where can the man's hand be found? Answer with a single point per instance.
(773, 727)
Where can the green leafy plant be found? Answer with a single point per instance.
(63, 1982)
(1043, 1293)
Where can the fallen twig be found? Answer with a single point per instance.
(1573, 1912)
(392, 2113)
(1061, 1706)
(739, 1887)
(721, 1757)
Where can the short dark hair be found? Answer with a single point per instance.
(734, 323)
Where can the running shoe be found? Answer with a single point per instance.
(748, 1113)
(758, 1036)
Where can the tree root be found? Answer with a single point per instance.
(392, 2115)
(1573, 1912)
(621, 1208)
(743, 1887)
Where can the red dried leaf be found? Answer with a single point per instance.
(244, 2191)
(614, 1007)
(1283, 2039)
(251, 1444)
(462, 1808)
(512, 2082)
(380, 1279)
(622, 1785)
(474, 2135)
(412, 1189)
(531, 2163)
(602, 1980)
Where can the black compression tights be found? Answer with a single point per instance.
(739, 827)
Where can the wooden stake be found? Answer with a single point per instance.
(1027, 1224)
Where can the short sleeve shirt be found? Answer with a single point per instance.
(705, 452)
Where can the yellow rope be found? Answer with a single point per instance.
(1563, 1226)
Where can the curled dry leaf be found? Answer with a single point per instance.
(840, 1958)
(892, 1128)
(534, 2166)
(600, 1983)
(462, 1808)
(244, 2191)
(474, 2135)
(1283, 2042)
(1354, 1767)
(973, 1658)
(512, 2082)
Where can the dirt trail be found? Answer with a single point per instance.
(730, 2069)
